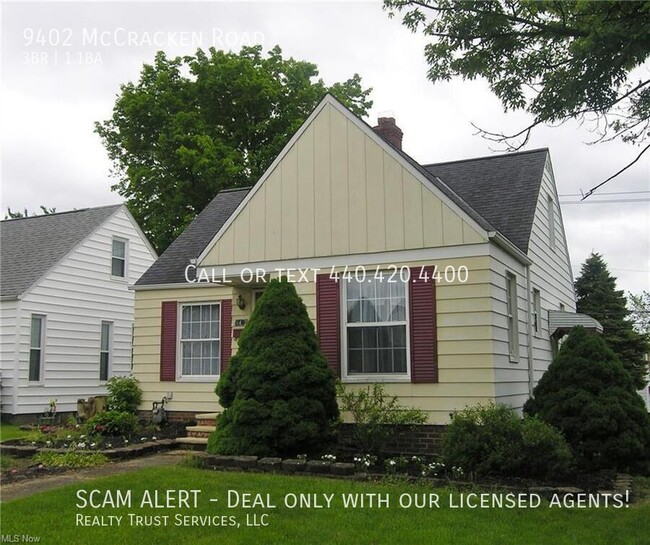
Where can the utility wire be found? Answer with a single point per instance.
(607, 201)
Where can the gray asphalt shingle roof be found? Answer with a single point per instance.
(503, 189)
(170, 266)
(29, 247)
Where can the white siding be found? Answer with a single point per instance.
(550, 272)
(76, 295)
(8, 313)
(510, 377)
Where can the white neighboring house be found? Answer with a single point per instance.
(66, 311)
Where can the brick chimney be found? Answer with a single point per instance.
(387, 129)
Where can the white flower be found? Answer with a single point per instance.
(154, 438)
(69, 437)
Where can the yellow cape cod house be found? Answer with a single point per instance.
(446, 282)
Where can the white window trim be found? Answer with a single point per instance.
(126, 260)
(179, 355)
(111, 326)
(41, 375)
(513, 327)
(371, 377)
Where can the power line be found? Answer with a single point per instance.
(604, 193)
(609, 201)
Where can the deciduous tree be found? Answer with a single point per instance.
(195, 125)
(557, 60)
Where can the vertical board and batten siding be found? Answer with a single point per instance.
(464, 340)
(337, 192)
(8, 318)
(75, 296)
(551, 269)
(510, 377)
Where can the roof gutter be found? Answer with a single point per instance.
(509, 247)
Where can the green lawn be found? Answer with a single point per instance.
(52, 515)
(11, 431)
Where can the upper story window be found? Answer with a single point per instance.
(118, 258)
(200, 340)
(551, 222)
(36, 342)
(376, 327)
(513, 319)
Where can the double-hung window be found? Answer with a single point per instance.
(118, 258)
(376, 327)
(36, 342)
(200, 340)
(105, 350)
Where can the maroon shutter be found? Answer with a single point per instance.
(328, 320)
(424, 355)
(168, 331)
(226, 333)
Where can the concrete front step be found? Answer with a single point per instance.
(193, 443)
(206, 419)
(199, 431)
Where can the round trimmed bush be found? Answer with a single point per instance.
(113, 423)
(492, 440)
(278, 393)
(589, 395)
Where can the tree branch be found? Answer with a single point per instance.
(601, 184)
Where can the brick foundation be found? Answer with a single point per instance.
(423, 439)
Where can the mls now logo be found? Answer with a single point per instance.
(18, 538)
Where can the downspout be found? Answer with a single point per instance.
(529, 326)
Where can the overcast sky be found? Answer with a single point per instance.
(63, 63)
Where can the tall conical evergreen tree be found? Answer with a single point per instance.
(588, 395)
(278, 393)
(598, 297)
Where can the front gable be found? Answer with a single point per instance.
(338, 189)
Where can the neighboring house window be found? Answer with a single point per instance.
(105, 350)
(200, 339)
(375, 327)
(513, 322)
(551, 222)
(562, 307)
(537, 311)
(118, 261)
(37, 339)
